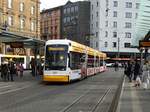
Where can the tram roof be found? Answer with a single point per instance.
(28, 42)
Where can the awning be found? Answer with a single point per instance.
(28, 42)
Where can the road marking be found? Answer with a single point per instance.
(5, 86)
(9, 91)
(1, 84)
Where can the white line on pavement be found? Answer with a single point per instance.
(5, 86)
(9, 91)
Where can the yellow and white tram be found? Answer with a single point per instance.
(66, 60)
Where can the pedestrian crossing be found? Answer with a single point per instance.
(8, 87)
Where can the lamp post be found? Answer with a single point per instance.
(118, 48)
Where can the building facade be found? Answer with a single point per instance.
(76, 21)
(21, 17)
(70, 21)
(113, 24)
(50, 23)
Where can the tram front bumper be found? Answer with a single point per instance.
(54, 78)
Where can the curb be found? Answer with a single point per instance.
(115, 101)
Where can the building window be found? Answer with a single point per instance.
(96, 14)
(96, 44)
(127, 45)
(107, 12)
(97, 4)
(128, 4)
(65, 20)
(127, 35)
(106, 44)
(106, 33)
(97, 34)
(22, 23)
(92, 6)
(107, 3)
(115, 14)
(115, 34)
(9, 3)
(10, 20)
(137, 5)
(136, 15)
(76, 8)
(128, 15)
(115, 24)
(32, 26)
(115, 3)
(114, 44)
(106, 23)
(128, 25)
(65, 11)
(97, 24)
(72, 9)
(21, 7)
(91, 26)
(92, 16)
(32, 10)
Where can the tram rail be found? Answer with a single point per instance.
(77, 100)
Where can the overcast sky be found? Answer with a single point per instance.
(45, 4)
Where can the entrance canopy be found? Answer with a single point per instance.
(27, 42)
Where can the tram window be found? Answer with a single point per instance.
(75, 60)
(90, 61)
(101, 63)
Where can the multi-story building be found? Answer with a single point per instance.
(71, 21)
(51, 23)
(76, 21)
(113, 24)
(21, 17)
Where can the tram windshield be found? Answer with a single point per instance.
(56, 57)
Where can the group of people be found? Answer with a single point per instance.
(10, 69)
(138, 73)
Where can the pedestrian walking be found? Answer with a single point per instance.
(5, 71)
(21, 69)
(125, 65)
(145, 75)
(11, 71)
(137, 71)
(129, 71)
(2, 70)
(32, 63)
(116, 66)
(17, 69)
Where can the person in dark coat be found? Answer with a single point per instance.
(5, 72)
(116, 66)
(136, 70)
(11, 69)
(129, 71)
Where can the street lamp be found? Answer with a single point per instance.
(118, 47)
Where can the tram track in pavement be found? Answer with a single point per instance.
(77, 100)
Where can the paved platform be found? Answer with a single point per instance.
(134, 99)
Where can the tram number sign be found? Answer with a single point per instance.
(16, 44)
